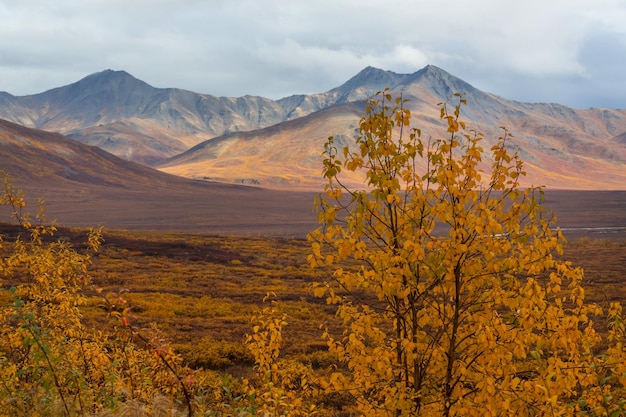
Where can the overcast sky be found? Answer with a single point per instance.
(571, 52)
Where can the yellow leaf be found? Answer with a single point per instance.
(319, 291)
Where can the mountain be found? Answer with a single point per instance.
(85, 186)
(278, 143)
(129, 118)
(561, 147)
(286, 155)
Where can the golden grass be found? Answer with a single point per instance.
(203, 290)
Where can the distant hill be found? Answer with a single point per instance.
(87, 187)
(286, 155)
(277, 143)
(41, 158)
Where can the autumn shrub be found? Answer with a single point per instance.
(279, 387)
(50, 362)
(209, 353)
(448, 278)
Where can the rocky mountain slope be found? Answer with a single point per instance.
(561, 147)
(278, 143)
(131, 119)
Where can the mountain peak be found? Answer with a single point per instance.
(369, 72)
(108, 86)
(110, 79)
(370, 78)
(108, 73)
(441, 82)
(434, 72)
(98, 98)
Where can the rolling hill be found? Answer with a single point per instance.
(286, 155)
(85, 186)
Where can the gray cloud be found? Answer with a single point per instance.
(566, 51)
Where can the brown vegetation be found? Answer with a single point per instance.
(203, 291)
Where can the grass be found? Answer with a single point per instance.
(203, 290)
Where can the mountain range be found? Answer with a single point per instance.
(278, 143)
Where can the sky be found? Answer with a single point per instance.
(571, 52)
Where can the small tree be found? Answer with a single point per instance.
(452, 301)
(51, 363)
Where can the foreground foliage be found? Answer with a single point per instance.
(53, 364)
(473, 313)
(50, 362)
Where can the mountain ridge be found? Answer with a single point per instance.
(562, 147)
(133, 120)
